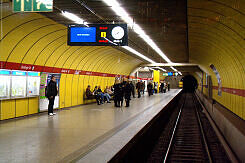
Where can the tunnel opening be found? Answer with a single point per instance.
(189, 83)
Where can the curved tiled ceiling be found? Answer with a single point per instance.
(34, 39)
(216, 36)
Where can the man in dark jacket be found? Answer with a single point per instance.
(52, 91)
(150, 88)
(132, 88)
(127, 93)
(138, 87)
(161, 87)
(118, 93)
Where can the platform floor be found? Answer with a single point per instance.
(72, 132)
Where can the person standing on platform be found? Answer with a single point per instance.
(138, 87)
(127, 93)
(52, 91)
(132, 88)
(149, 88)
(155, 87)
(117, 93)
(164, 87)
(161, 87)
(143, 87)
(123, 84)
(168, 86)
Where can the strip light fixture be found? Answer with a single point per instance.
(161, 69)
(138, 54)
(78, 20)
(173, 68)
(121, 12)
(137, 29)
(74, 18)
(116, 7)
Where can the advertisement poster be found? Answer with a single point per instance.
(218, 78)
(4, 86)
(33, 86)
(18, 86)
(43, 84)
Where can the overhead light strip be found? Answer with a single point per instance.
(138, 54)
(173, 68)
(78, 20)
(116, 7)
(161, 69)
(74, 18)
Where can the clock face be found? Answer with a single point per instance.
(117, 32)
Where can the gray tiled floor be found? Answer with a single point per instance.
(51, 139)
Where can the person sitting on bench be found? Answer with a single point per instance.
(107, 95)
(99, 94)
(90, 95)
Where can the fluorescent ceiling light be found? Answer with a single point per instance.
(74, 18)
(173, 68)
(161, 69)
(138, 54)
(180, 73)
(137, 29)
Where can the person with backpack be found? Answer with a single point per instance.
(52, 91)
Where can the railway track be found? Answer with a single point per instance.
(185, 139)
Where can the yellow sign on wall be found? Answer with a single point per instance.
(103, 34)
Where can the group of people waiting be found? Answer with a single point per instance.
(124, 90)
(99, 95)
(119, 91)
(152, 87)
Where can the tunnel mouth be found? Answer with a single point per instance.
(189, 83)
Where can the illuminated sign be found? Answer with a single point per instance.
(98, 35)
(170, 74)
(4, 72)
(21, 73)
(33, 73)
(83, 34)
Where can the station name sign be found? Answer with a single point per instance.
(98, 35)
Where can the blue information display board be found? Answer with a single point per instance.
(98, 35)
(83, 34)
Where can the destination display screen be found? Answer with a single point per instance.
(98, 35)
(83, 34)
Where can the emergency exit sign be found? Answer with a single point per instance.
(32, 5)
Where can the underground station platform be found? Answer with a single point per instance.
(164, 127)
(60, 59)
(78, 132)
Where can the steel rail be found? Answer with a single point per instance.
(172, 137)
(203, 135)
